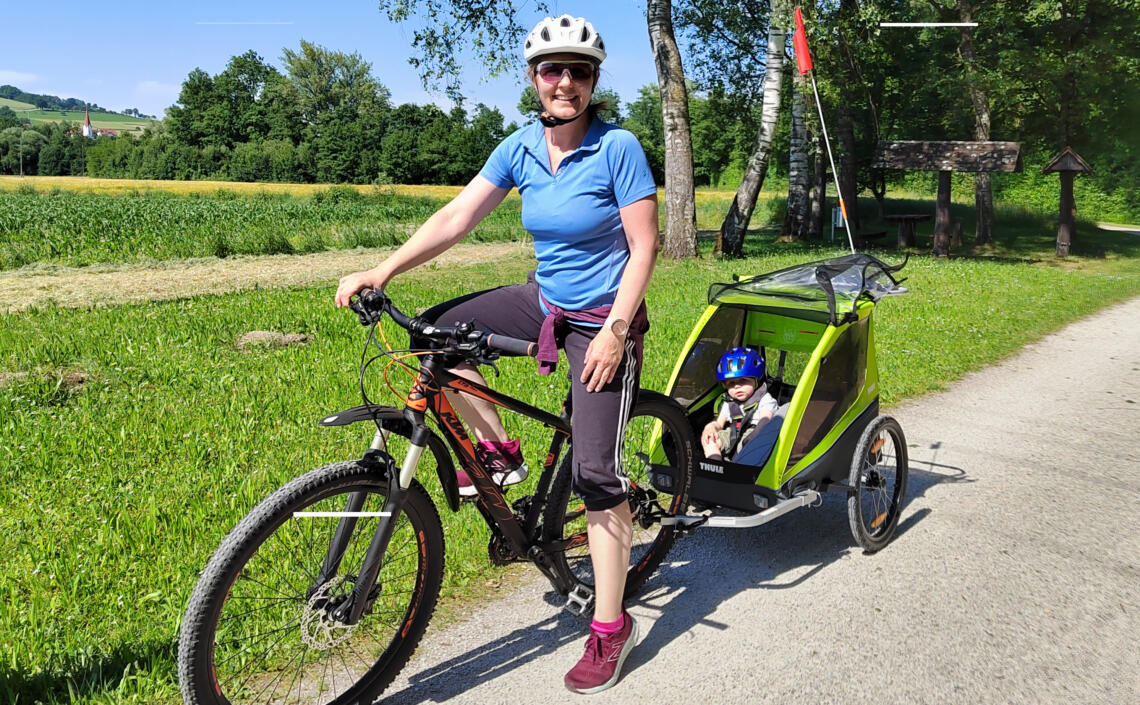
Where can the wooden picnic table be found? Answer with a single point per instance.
(906, 222)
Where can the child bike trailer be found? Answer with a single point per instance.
(813, 324)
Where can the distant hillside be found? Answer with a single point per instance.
(49, 108)
(46, 102)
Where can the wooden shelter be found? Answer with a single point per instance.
(947, 157)
(1067, 163)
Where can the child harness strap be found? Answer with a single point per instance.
(740, 419)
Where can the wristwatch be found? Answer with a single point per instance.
(617, 326)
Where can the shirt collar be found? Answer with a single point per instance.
(535, 142)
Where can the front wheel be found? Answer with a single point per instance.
(657, 457)
(261, 627)
(878, 477)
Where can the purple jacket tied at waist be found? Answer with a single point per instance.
(553, 332)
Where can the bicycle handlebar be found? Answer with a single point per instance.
(371, 305)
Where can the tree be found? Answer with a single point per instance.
(735, 225)
(680, 198)
(645, 122)
(187, 117)
(343, 109)
(797, 218)
(489, 29)
(53, 160)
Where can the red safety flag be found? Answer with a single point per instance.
(799, 44)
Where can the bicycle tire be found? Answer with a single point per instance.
(564, 517)
(261, 577)
(879, 470)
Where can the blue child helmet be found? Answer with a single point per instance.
(740, 362)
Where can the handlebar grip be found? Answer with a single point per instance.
(512, 346)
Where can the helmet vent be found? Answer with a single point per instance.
(545, 34)
(585, 34)
(601, 45)
(527, 44)
(565, 21)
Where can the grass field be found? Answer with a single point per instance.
(132, 437)
(16, 105)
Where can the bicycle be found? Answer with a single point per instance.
(324, 589)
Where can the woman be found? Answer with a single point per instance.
(589, 200)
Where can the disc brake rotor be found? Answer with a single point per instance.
(319, 629)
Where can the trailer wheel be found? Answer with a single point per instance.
(878, 477)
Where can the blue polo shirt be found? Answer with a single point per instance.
(572, 214)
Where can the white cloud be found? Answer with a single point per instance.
(17, 78)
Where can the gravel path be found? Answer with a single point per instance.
(1014, 577)
(119, 284)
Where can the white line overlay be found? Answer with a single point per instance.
(326, 515)
(928, 24)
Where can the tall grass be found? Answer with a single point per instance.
(114, 493)
(75, 229)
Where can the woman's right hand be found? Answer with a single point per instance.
(354, 283)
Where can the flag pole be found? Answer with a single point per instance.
(803, 61)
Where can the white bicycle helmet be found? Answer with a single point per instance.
(564, 35)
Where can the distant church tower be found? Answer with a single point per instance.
(87, 131)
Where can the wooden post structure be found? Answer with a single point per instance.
(940, 241)
(945, 158)
(1067, 163)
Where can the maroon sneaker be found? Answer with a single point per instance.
(505, 461)
(600, 666)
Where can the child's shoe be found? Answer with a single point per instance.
(505, 461)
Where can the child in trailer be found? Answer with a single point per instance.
(747, 410)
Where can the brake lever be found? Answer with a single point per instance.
(489, 362)
(368, 312)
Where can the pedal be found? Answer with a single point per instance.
(579, 601)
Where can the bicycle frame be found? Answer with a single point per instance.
(521, 533)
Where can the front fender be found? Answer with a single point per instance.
(392, 419)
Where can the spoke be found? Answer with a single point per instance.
(298, 677)
(256, 609)
(347, 671)
(324, 673)
(255, 580)
(257, 638)
(261, 656)
(276, 679)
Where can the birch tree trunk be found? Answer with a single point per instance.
(730, 241)
(983, 191)
(796, 220)
(680, 205)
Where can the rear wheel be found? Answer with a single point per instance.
(657, 457)
(260, 629)
(878, 475)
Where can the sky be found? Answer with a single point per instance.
(135, 54)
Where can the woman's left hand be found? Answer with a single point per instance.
(603, 356)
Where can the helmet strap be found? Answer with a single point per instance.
(549, 120)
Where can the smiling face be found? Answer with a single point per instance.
(561, 94)
(740, 388)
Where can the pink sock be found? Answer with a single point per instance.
(608, 627)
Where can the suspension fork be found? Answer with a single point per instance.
(347, 523)
(353, 608)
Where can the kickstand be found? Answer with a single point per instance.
(579, 601)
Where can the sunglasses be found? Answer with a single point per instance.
(552, 71)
